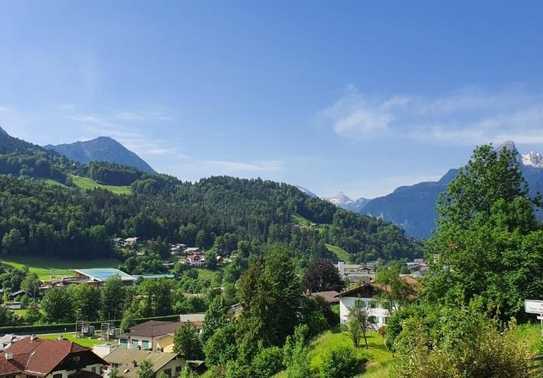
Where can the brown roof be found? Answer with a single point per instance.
(154, 328)
(128, 360)
(329, 297)
(12, 366)
(370, 289)
(38, 357)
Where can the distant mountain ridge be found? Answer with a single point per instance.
(102, 149)
(414, 207)
(345, 202)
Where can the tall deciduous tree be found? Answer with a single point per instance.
(57, 305)
(187, 343)
(322, 275)
(488, 242)
(113, 294)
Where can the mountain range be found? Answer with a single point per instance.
(414, 207)
(102, 149)
(343, 201)
(55, 206)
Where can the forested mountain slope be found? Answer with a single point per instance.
(39, 219)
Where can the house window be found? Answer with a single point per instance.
(177, 369)
(146, 344)
(168, 372)
(57, 376)
(372, 320)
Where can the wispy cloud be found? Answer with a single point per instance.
(470, 116)
(233, 167)
(116, 126)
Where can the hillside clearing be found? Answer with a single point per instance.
(86, 183)
(340, 253)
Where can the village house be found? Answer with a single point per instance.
(126, 362)
(368, 295)
(33, 357)
(157, 335)
(177, 249)
(195, 260)
(191, 250)
(357, 273)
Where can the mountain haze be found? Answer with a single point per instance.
(102, 149)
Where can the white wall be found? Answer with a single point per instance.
(381, 314)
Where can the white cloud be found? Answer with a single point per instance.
(355, 116)
(465, 117)
(233, 167)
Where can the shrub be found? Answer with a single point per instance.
(463, 343)
(268, 362)
(341, 363)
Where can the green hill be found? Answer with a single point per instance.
(78, 218)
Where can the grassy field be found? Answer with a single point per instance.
(51, 268)
(206, 274)
(379, 359)
(89, 184)
(301, 221)
(84, 341)
(531, 335)
(53, 183)
(340, 253)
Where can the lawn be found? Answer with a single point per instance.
(86, 183)
(52, 268)
(206, 274)
(340, 253)
(530, 333)
(379, 359)
(83, 341)
(301, 221)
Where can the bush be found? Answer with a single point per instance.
(341, 363)
(268, 362)
(463, 343)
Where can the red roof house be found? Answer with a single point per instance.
(34, 357)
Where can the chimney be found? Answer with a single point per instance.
(8, 355)
(32, 337)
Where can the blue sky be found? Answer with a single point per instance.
(354, 96)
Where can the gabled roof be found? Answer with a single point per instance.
(130, 359)
(38, 357)
(367, 290)
(329, 297)
(154, 328)
(370, 289)
(197, 320)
